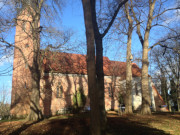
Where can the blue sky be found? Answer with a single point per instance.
(72, 18)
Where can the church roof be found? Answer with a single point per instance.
(68, 63)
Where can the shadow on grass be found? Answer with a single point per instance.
(124, 126)
(79, 125)
(22, 128)
(172, 115)
(70, 126)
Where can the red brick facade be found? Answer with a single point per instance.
(21, 82)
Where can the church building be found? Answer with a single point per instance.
(62, 74)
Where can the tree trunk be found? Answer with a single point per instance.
(91, 70)
(128, 102)
(99, 58)
(99, 69)
(35, 110)
(164, 89)
(100, 82)
(146, 100)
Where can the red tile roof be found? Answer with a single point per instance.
(69, 63)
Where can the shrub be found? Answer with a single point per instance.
(79, 100)
(4, 110)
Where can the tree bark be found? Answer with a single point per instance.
(164, 89)
(99, 60)
(128, 102)
(91, 70)
(99, 73)
(146, 100)
(99, 69)
(100, 82)
(35, 110)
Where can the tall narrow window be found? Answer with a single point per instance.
(59, 91)
(110, 89)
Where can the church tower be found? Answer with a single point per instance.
(23, 59)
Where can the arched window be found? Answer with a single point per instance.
(59, 91)
(110, 90)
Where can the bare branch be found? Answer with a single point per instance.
(165, 27)
(113, 18)
(165, 46)
(166, 11)
(11, 45)
(138, 25)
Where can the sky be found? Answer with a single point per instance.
(72, 19)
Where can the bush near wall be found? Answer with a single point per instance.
(79, 100)
(4, 111)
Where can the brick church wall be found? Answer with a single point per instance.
(21, 81)
(69, 83)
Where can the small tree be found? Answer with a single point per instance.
(4, 105)
(173, 93)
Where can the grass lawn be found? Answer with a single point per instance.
(156, 124)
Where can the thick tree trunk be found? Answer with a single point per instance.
(99, 57)
(91, 70)
(128, 102)
(100, 82)
(146, 100)
(99, 69)
(35, 110)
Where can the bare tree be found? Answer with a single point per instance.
(154, 14)
(90, 14)
(91, 70)
(128, 102)
(99, 34)
(166, 57)
(4, 105)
